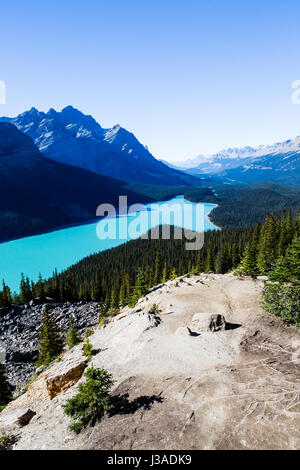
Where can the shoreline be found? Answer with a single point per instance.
(30, 245)
(209, 219)
(93, 221)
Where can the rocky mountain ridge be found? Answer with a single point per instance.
(73, 138)
(277, 162)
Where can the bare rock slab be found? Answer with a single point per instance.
(20, 417)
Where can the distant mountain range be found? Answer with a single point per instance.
(56, 167)
(278, 162)
(76, 139)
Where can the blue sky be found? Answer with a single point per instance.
(186, 76)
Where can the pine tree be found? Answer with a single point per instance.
(210, 262)
(235, 256)
(122, 295)
(107, 300)
(6, 298)
(165, 273)
(39, 288)
(87, 349)
(157, 269)
(98, 290)
(92, 401)
(287, 268)
(51, 344)
(5, 388)
(73, 337)
(54, 289)
(282, 297)
(70, 289)
(174, 274)
(25, 290)
(286, 234)
(200, 262)
(103, 313)
(127, 284)
(248, 264)
(267, 248)
(140, 287)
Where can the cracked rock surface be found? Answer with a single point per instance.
(236, 388)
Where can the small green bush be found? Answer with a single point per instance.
(73, 337)
(7, 441)
(154, 309)
(283, 300)
(87, 349)
(92, 400)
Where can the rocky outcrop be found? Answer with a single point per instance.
(64, 375)
(237, 388)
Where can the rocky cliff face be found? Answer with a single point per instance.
(185, 379)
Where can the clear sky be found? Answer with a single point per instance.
(185, 76)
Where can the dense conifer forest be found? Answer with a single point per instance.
(120, 276)
(244, 206)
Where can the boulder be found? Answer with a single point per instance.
(19, 417)
(208, 322)
(64, 375)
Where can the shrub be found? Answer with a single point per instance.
(73, 337)
(87, 349)
(154, 309)
(92, 400)
(7, 441)
(283, 300)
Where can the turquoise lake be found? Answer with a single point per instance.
(64, 247)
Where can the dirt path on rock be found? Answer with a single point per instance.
(165, 350)
(233, 389)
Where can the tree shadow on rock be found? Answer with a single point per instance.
(232, 326)
(123, 405)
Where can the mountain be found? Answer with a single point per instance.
(281, 167)
(76, 139)
(39, 194)
(227, 158)
(277, 162)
